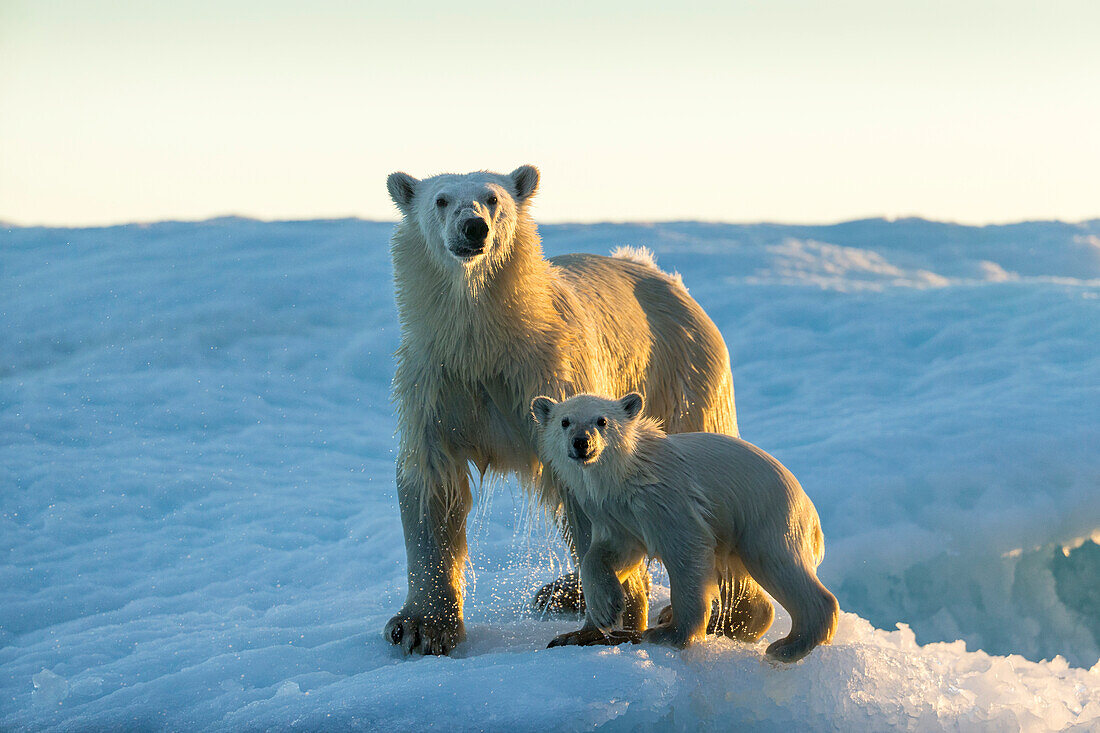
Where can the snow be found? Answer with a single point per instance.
(199, 527)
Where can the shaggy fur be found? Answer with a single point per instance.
(486, 324)
(698, 501)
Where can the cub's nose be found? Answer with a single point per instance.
(580, 445)
(475, 230)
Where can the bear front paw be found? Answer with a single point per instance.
(560, 596)
(594, 637)
(417, 634)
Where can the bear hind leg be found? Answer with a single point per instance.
(740, 611)
(814, 610)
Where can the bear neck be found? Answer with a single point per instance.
(476, 321)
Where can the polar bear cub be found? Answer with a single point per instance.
(703, 503)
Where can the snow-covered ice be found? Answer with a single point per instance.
(199, 528)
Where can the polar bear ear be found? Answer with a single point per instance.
(402, 188)
(540, 408)
(632, 405)
(526, 180)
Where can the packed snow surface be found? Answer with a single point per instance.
(199, 527)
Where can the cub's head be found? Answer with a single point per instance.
(584, 429)
(465, 220)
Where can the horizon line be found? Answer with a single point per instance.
(10, 224)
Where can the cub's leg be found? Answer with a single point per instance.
(693, 585)
(741, 610)
(604, 564)
(790, 577)
(565, 595)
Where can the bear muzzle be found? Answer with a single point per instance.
(582, 449)
(474, 233)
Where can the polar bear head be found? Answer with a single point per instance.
(585, 429)
(469, 220)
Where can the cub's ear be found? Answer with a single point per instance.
(526, 181)
(402, 188)
(540, 408)
(632, 405)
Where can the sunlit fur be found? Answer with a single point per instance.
(698, 501)
(481, 337)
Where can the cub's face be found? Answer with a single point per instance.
(583, 428)
(466, 220)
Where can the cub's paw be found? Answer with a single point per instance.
(419, 634)
(790, 650)
(665, 635)
(560, 596)
(594, 637)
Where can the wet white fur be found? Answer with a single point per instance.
(481, 337)
(698, 501)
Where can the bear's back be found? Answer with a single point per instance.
(666, 344)
(737, 479)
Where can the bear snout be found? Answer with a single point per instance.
(475, 230)
(581, 448)
(471, 239)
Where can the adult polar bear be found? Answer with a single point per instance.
(488, 323)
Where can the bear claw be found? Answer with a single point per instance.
(788, 651)
(420, 636)
(594, 637)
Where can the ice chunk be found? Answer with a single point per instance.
(49, 688)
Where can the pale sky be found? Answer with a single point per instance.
(724, 111)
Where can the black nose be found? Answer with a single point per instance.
(580, 445)
(475, 230)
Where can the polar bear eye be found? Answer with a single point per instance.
(492, 200)
(441, 202)
(565, 423)
(601, 422)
